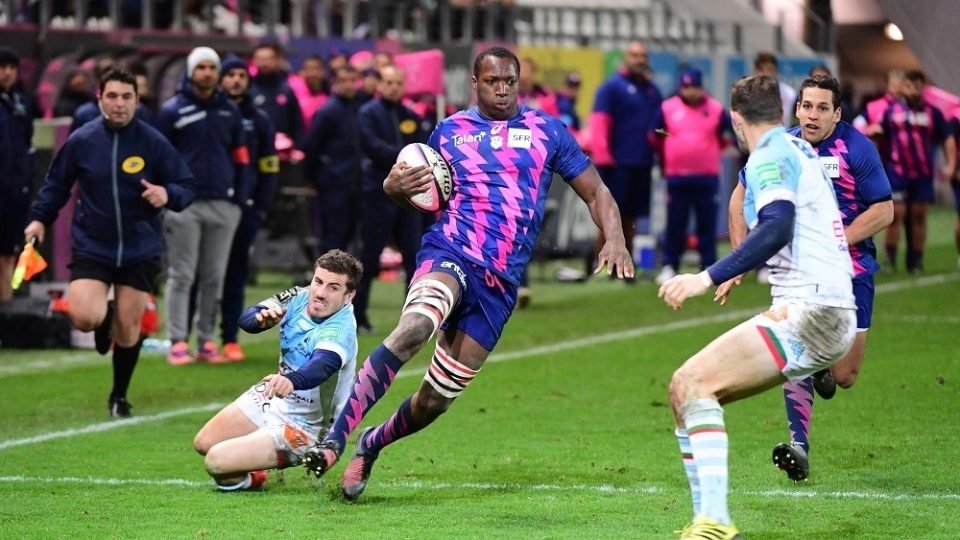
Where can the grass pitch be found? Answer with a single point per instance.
(566, 433)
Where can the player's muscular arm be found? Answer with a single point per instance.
(873, 220)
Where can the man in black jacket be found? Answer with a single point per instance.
(16, 165)
(332, 161)
(386, 126)
(127, 174)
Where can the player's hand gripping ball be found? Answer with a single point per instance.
(434, 198)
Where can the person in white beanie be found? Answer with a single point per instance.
(206, 127)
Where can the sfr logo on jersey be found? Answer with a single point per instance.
(831, 164)
(519, 138)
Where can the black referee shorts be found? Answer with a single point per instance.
(141, 275)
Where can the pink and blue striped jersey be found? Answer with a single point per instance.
(912, 136)
(502, 170)
(853, 164)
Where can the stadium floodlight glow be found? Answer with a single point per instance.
(892, 31)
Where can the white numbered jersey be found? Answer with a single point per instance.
(815, 265)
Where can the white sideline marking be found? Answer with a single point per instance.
(502, 357)
(107, 426)
(483, 486)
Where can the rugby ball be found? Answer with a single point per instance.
(417, 154)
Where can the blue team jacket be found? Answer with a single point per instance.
(385, 128)
(332, 147)
(260, 135)
(16, 145)
(112, 222)
(209, 135)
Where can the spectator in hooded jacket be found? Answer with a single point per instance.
(386, 126)
(271, 92)
(332, 163)
(206, 127)
(128, 173)
(16, 166)
(263, 157)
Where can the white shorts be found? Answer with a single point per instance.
(806, 338)
(291, 439)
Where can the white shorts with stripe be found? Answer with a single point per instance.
(291, 439)
(804, 338)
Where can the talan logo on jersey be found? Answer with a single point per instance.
(519, 138)
(768, 174)
(831, 164)
(468, 139)
(133, 165)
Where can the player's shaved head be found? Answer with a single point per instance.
(497, 52)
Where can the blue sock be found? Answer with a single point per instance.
(373, 380)
(396, 427)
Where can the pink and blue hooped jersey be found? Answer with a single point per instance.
(854, 166)
(502, 171)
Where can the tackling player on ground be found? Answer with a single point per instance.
(271, 425)
(504, 157)
(796, 227)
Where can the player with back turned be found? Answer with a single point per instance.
(504, 157)
(796, 227)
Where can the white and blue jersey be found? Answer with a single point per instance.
(300, 335)
(815, 265)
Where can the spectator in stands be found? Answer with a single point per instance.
(624, 109)
(567, 102)
(765, 63)
(337, 60)
(533, 93)
(148, 102)
(386, 126)
(368, 85)
(914, 130)
(127, 174)
(847, 114)
(311, 87)
(259, 134)
(16, 165)
(91, 109)
(693, 128)
(333, 152)
(271, 92)
(382, 59)
(207, 129)
(74, 93)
